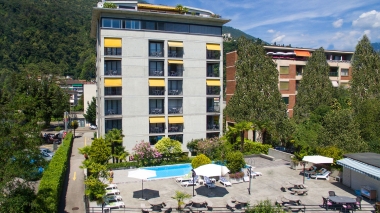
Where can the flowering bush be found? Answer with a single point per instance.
(210, 147)
(145, 154)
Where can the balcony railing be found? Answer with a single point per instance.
(156, 110)
(335, 74)
(211, 126)
(213, 91)
(298, 73)
(175, 110)
(175, 92)
(157, 92)
(212, 54)
(110, 111)
(156, 53)
(156, 73)
(110, 91)
(176, 73)
(213, 109)
(156, 129)
(213, 74)
(175, 54)
(112, 72)
(176, 128)
(112, 51)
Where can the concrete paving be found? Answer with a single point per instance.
(267, 186)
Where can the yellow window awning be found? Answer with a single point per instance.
(175, 61)
(175, 44)
(176, 120)
(303, 53)
(113, 82)
(213, 47)
(156, 82)
(212, 82)
(112, 42)
(155, 120)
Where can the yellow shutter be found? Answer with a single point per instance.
(212, 82)
(284, 85)
(113, 82)
(156, 82)
(175, 44)
(176, 120)
(284, 70)
(155, 120)
(213, 47)
(112, 42)
(175, 61)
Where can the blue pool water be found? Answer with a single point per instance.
(171, 170)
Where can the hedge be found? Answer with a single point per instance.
(53, 179)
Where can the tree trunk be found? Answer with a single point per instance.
(242, 141)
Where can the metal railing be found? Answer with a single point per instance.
(112, 51)
(335, 74)
(156, 53)
(112, 72)
(109, 91)
(175, 110)
(156, 110)
(175, 54)
(213, 109)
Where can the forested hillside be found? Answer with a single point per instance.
(51, 34)
(376, 46)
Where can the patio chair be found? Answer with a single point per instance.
(285, 186)
(332, 193)
(327, 204)
(167, 207)
(186, 177)
(321, 176)
(348, 207)
(279, 201)
(225, 182)
(188, 183)
(230, 204)
(358, 204)
(145, 209)
(209, 205)
(209, 183)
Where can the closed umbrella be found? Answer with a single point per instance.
(142, 174)
(211, 170)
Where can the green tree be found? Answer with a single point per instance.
(256, 98)
(91, 111)
(100, 151)
(109, 5)
(114, 138)
(235, 161)
(179, 197)
(264, 207)
(365, 83)
(168, 147)
(200, 160)
(315, 89)
(74, 125)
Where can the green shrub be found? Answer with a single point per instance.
(58, 128)
(109, 5)
(251, 147)
(235, 161)
(264, 207)
(200, 160)
(52, 182)
(122, 165)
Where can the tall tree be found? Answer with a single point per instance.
(91, 111)
(256, 98)
(114, 138)
(365, 83)
(315, 88)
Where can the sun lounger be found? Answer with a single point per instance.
(188, 183)
(230, 204)
(145, 209)
(321, 176)
(225, 182)
(167, 207)
(209, 183)
(209, 205)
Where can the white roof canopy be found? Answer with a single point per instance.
(316, 159)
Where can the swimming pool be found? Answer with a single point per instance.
(170, 170)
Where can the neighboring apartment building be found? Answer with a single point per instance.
(159, 72)
(290, 65)
(74, 88)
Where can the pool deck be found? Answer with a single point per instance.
(267, 186)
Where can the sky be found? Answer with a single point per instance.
(333, 24)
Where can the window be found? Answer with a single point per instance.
(284, 85)
(156, 49)
(112, 67)
(344, 72)
(284, 70)
(286, 100)
(156, 68)
(177, 27)
(132, 24)
(113, 124)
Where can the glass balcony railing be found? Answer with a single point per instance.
(175, 110)
(156, 110)
(156, 73)
(111, 111)
(212, 126)
(153, 53)
(175, 92)
(157, 91)
(333, 74)
(110, 91)
(112, 51)
(111, 72)
(213, 91)
(175, 54)
(176, 73)
(156, 129)
(213, 109)
(175, 128)
(213, 54)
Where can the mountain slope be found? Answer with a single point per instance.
(376, 46)
(236, 33)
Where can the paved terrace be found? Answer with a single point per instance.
(267, 186)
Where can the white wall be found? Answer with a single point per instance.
(89, 91)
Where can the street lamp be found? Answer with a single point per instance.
(193, 175)
(249, 171)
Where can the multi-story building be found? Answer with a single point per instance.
(290, 65)
(159, 72)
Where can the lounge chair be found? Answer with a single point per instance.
(230, 204)
(188, 183)
(209, 205)
(167, 207)
(327, 204)
(285, 186)
(321, 176)
(145, 209)
(225, 182)
(209, 183)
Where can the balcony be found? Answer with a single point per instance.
(111, 111)
(112, 91)
(112, 72)
(176, 137)
(212, 127)
(213, 54)
(113, 124)
(175, 54)
(175, 128)
(176, 73)
(213, 70)
(213, 109)
(157, 91)
(153, 128)
(112, 107)
(156, 73)
(175, 92)
(156, 110)
(175, 110)
(175, 70)
(333, 74)
(108, 51)
(213, 90)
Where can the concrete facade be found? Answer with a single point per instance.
(89, 91)
(134, 102)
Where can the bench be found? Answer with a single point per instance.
(267, 157)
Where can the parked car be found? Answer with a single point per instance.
(113, 204)
(93, 127)
(113, 197)
(112, 189)
(47, 151)
(46, 156)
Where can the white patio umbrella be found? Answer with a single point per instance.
(211, 170)
(316, 159)
(142, 174)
